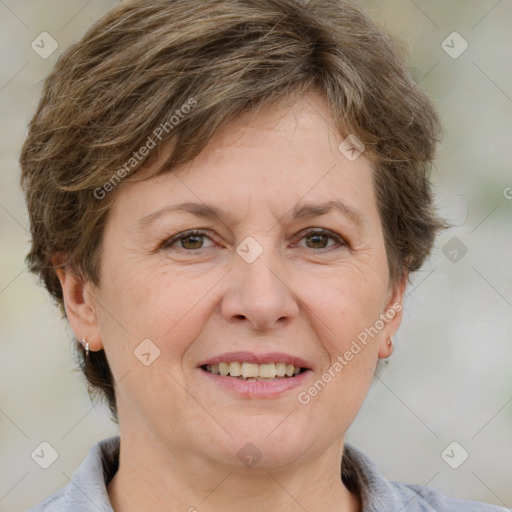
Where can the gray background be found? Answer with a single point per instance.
(449, 378)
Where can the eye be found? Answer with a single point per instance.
(318, 238)
(189, 240)
(194, 240)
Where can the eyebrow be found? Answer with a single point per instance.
(213, 213)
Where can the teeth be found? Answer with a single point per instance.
(235, 369)
(249, 370)
(268, 370)
(280, 369)
(253, 371)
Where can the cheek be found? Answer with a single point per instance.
(351, 299)
(154, 304)
(347, 307)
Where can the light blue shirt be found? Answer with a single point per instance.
(87, 490)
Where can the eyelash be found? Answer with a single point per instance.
(167, 243)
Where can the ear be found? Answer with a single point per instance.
(80, 305)
(392, 316)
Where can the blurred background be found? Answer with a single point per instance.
(440, 414)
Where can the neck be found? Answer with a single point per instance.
(161, 481)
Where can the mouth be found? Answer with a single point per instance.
(253, 371)
(251, 375)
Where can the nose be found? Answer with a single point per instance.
(259, 294)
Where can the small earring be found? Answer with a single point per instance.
(85, 344)
(389, 342)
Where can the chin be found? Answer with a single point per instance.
(264, 442)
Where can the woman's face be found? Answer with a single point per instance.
(255, 282)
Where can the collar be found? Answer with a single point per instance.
(87, 490)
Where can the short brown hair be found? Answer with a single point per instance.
(144, 59)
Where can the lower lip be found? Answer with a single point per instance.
(257, 388)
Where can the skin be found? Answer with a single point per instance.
(304, 295)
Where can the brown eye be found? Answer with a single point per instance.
(190, 241)
(319, 239)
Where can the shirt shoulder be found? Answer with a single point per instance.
(428, 499)
(377, 493)
(87, 489)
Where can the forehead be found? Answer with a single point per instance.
(272, 161)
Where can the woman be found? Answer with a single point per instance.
(227, 200)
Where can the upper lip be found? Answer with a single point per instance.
(251, 357)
